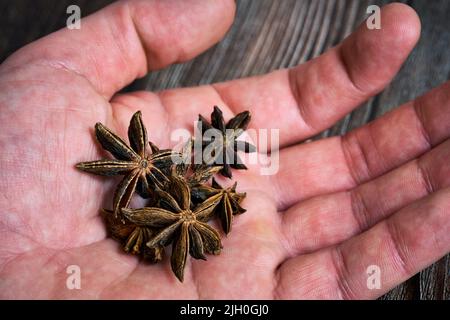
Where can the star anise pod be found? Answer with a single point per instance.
(185, 228)
(196, 178)
(141, 169)
(193, 175)
(221, 145)
(229, 201)
(133, 237)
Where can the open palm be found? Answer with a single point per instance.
(377, 196)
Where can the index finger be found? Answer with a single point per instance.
(125, 40)
(311, 97)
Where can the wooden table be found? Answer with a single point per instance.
(268, 35)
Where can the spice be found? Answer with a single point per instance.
(180, 199)
(220, 139)
(133, 237)
(185, 227)
(139, 168)
(228, 201)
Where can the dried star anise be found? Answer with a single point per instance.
(186, 228)
(133, 237)
(141, 170)
(180, 199)
(229, 201)
(199, 174)
(194, 175)
(219, 140)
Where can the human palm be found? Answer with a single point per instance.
(377, 196)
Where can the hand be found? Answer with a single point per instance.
(376, 196)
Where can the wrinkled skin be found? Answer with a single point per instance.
(377, 196)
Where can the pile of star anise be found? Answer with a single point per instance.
(180, 199)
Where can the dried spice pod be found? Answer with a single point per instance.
(133, 237)
(229, 202)
(180, 225)
(184, 159)
(141, 169)
(202, 174)
(180, 200)
(194, 175)
(219, 140)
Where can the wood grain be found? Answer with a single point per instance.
(268, 35)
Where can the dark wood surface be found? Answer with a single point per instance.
(268, 35)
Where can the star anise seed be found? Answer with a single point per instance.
(133, 237)
(226, 152)
(141, 170)
(229, 201)
(180, 225)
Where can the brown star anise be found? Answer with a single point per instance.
(193, 175)
(133, 237)
(141, 170)
(180, 199)
(229, 201)
(219, 140)
(185, 227)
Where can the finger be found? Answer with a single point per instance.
(330, 219)
(313, 96)
(337, 164)
(127, 39)
(400, 246)
(309, 170)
